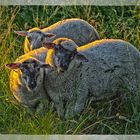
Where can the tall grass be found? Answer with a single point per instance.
(116, 116)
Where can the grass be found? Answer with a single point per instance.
(116, 116)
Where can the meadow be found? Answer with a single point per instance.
(114, 116)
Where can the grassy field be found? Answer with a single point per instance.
(116, 116)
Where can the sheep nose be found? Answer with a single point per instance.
(32, 85)
(65, 65)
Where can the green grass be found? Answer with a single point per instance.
(120, 116)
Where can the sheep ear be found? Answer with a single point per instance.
(21, 33)
(49, 35)
(49, 45)
(13, 65)
(81, 58)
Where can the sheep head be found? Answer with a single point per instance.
(30, 70)
(65, 50)
(35, 38)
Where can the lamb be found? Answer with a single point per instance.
(97, 70)
(26, 80)
(76, 29)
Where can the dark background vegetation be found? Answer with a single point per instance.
(115, 116)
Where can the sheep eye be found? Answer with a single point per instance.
(56, 48)
(42, 39)
(29, 38)
(38, 68)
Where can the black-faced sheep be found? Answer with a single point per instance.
(99, 69)
(76, 29)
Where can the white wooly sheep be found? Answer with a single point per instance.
(76, 29)
(97, 70)
(26, 80)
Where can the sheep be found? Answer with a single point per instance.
(26, 80)
(76, 29)
(95, 71)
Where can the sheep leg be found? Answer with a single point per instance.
(77, 103)
(42, 107)
(58, 103)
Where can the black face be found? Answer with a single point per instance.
(63, 57)
(36, 39)
(30, 73)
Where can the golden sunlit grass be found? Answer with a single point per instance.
(116, 116)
